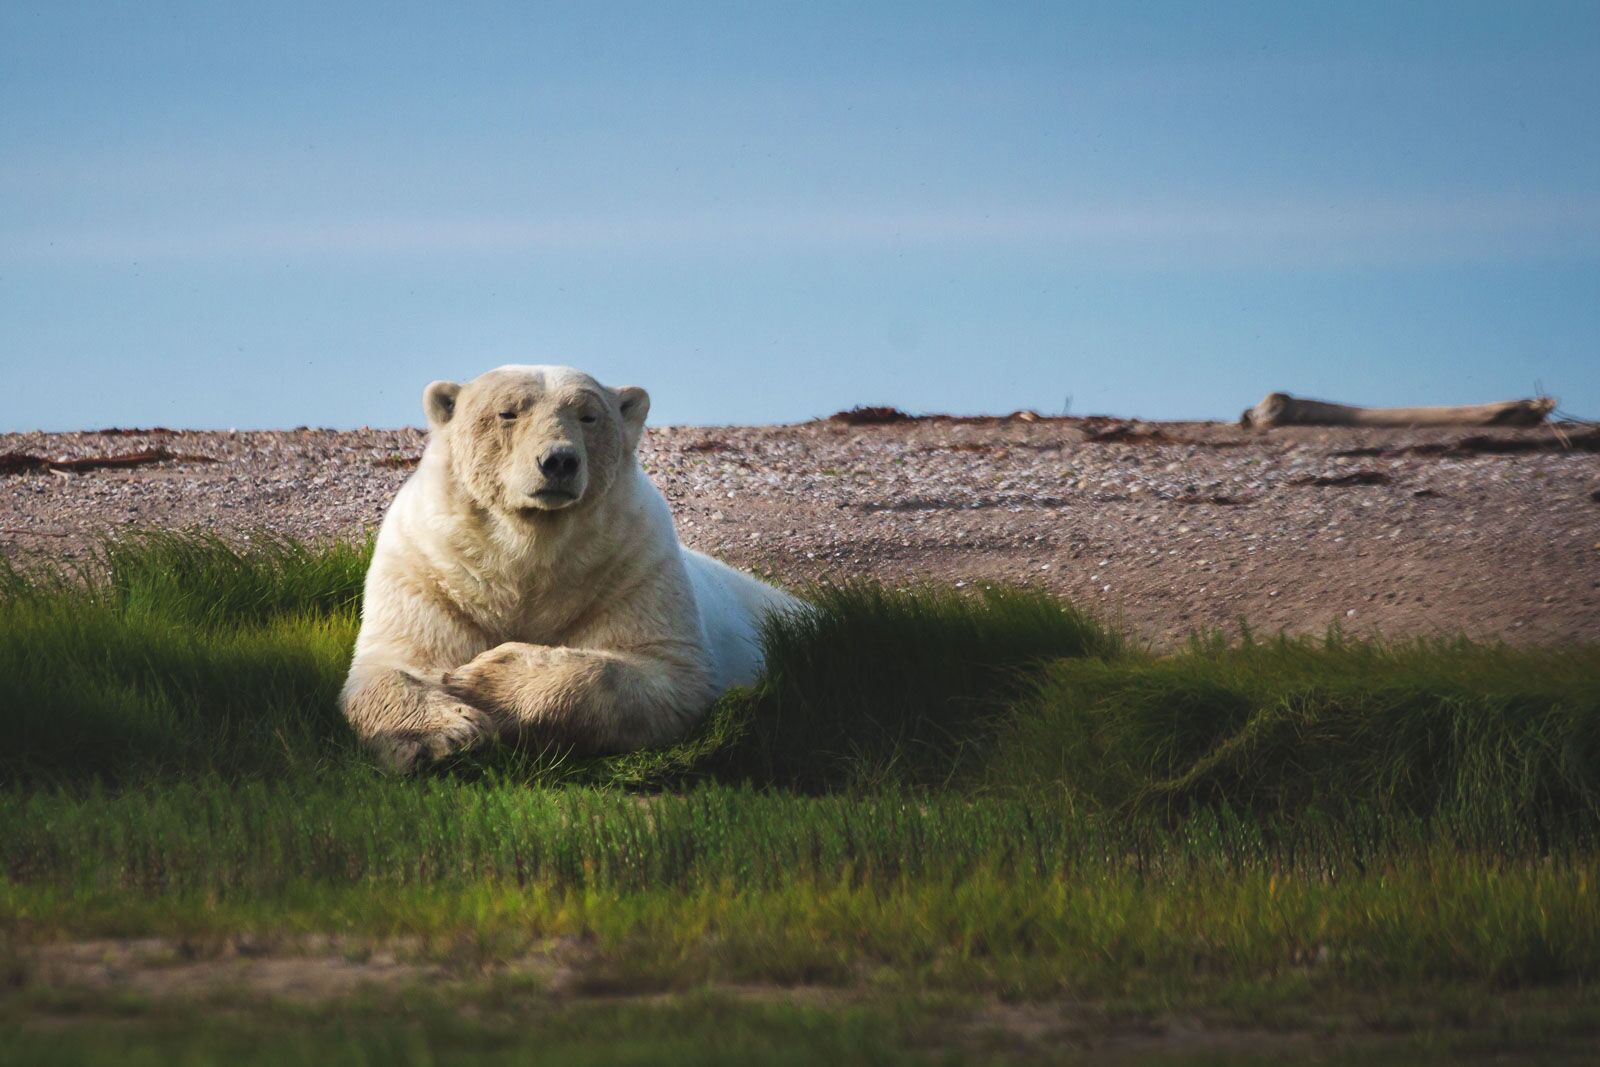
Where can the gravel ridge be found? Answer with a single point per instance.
(1165, 527)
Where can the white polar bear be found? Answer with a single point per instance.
(528, 584)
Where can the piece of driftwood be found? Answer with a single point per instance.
(869, 415)
(882, 415)
(1484, 444)
(1281, 409)
(19, 462)
(1129, 434)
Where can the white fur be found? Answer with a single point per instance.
(490, 616)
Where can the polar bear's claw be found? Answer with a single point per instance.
(461, 727)
(396, 753)
(456, 728)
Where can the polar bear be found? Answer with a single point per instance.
(528, 584)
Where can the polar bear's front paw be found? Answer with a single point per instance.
(451, 728)
(503, 677)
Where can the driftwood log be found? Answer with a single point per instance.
(1281, 409)
(19, 462)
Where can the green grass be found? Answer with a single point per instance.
(170, 655)
(988, 795)
(722, 886)
(513, 1026)
(174, 657)
(1490, 735)
(511, 1023)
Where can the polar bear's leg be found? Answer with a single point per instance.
(594, 700)
(407, 721)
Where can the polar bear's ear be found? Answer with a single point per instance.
(439, 401)
(635, 405)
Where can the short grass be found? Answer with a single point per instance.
(511, 1026)
(928, 793)
(512, 1023)
(700, 1030)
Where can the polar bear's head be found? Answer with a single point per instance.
(526, 440)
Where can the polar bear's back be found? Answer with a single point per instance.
(732, 607)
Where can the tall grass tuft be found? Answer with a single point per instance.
(214, 583)
(1489, 733)
(176, 654)
(904, 687)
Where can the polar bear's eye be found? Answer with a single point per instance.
(508, 415)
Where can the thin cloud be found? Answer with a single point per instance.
(1467, 228)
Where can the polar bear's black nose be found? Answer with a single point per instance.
(560, 462)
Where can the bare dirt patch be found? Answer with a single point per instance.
(160, 969)
(120, 982)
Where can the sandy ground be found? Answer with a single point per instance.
(1168, 527)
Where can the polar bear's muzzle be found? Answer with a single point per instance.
(561, 479)
(550, 500)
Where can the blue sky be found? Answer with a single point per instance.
(272, 215)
